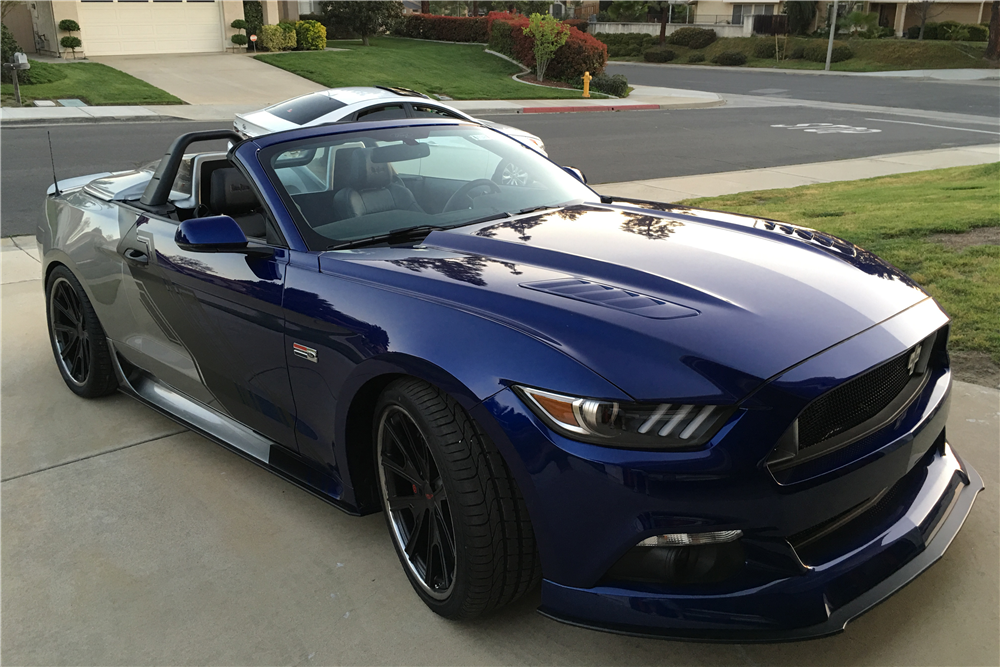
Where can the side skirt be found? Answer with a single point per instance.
(232, 435)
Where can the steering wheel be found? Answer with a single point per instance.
(463, 192)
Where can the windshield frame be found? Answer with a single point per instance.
(318, 242)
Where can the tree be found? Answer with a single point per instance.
(925, 12)
(530, 7)
(548, 34)
(664, 9)
(800, 16)
(623, 10)
(425, 7)
(858, 22)
(993, 44)
(365, 18)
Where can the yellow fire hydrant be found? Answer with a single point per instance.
(586, 84)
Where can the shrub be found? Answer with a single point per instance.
(8, 47)
(253, 12)
(978, 33)
(797, 52)
(69, 25)
(444, 28)
(579, 24)
(239, 24)
(581, 52)
(913, 32)
(942, 29)
(276, 38)
(817, 53)
(730, 58)
(616, 85)
(547, 35)
(310, 35)
(764, 49)
(626, 43)
(239, 39)
(696, 58)
(693, 38)
(658, 55)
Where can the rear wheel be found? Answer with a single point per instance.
(457, 520)
(78, 340)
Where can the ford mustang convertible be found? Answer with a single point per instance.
(681, 423)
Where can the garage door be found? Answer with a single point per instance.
(129, 27)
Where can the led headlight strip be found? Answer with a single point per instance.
(618, 424)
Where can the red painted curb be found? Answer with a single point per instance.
(627, 107)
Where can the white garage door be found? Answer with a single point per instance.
(128, 27)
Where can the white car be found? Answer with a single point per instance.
(361, 103)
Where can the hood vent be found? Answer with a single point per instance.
(615, 298)
(812, 236)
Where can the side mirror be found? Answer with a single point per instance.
(576, 173)
(218, 233)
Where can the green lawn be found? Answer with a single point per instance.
(870, 55)
(894, 217)
(95, 84)
(460, 71)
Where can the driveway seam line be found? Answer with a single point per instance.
(93, 456)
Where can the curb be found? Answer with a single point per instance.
(627, 107)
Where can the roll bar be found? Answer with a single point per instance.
(157, 192)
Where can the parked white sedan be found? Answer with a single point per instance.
(361, 103)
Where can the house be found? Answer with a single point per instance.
(132, 27)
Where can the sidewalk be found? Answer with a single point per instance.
(642, 98)
(966, 74)
(727, 183)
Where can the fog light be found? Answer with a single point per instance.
(691, 539)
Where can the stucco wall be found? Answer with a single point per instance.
(18, 21)
(654, 28)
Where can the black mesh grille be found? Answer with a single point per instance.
(853, 402)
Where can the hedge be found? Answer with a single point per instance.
(616, 84)
(730, 58)
(626, 43)
(581, 52)
(310, 35)
(977, 32)
(276, 38)
(817, 53)
(696, 58)
(444, 28)
(693, 38)
(658, 55)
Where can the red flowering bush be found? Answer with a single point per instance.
(581, 52)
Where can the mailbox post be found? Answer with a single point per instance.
(18, 61)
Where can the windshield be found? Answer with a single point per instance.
(354, 186)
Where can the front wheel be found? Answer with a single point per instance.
(78, 340)
(457, 520)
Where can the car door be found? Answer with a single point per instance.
(211, 326)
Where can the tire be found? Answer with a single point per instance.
(459, 488)
(77, 338)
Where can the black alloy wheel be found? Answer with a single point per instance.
(417, 502)
(456, 517)
(78, 340)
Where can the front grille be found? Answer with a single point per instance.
(853, 402)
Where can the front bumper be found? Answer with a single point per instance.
(878, 569)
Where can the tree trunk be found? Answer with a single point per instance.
(663, 27)
(475, 9)
(364, 40)
(425, 7)
(993, 45)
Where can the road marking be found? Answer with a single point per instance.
(768, 91)
(828, 128)
(940, 127)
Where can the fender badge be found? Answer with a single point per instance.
(911, 363)
(306, 353)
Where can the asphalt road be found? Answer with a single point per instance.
(980, 98)
(608, 147)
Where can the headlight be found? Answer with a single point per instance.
(670, 426)
(536, 142)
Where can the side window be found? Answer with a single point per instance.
(427, 111)
(384, 112)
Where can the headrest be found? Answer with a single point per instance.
(368, 175)
(231, 194)
(342, 166)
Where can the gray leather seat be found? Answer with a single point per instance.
(232, 195)
(372, 188)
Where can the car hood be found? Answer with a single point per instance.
(666, 304)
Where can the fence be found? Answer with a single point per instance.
(722, 30)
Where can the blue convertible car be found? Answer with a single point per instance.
(682, 423)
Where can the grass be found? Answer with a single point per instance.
(95, 84)
(893, 216)
(460, 71)
(870, 55)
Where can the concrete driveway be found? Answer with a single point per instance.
(214, 78)
(127, 540)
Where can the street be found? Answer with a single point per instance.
(608, 147)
